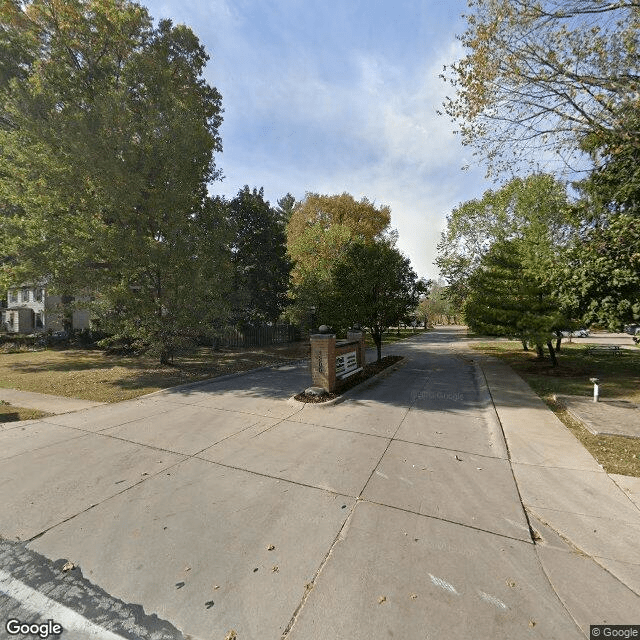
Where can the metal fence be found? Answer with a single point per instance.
(258, 336)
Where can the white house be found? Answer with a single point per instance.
(31, 309)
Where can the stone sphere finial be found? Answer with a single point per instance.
(324, 329)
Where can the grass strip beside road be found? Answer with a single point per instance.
(94, 375)
(91, 374)
(392, 336)
(620, 379)
(10, 413)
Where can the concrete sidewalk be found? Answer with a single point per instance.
(589, 521)
(400, 512)
(44, 402)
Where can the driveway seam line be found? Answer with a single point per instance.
(440, 519)
(506, 444)
(97, 504)
(15, 455)
(248, 413)
(311, 585)
(266, 475)
(533, 507)
(49, 421)
(404, 417)
(574, 548)
(433, 446)
(185, 457)
(325, 426)
(524, 508)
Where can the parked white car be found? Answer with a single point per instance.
(578, 333)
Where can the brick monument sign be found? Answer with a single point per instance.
(333, 361)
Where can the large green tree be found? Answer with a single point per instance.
(318, 233)
(374, 285)
(603, 275)
(259, 256)
(509, 297)
(107, 149)
(535, 208)
(538, 75)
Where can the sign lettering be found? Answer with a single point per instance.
(346, 362)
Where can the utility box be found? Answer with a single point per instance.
(333, 361)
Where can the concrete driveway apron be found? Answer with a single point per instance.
(227, 507)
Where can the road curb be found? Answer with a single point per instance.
(347, 394)
(489, 411)
(228, 376)
(565, 407)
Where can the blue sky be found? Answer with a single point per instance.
(335, 96)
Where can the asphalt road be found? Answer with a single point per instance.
(229, 511)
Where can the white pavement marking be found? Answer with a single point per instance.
(487, 597)
(38, 603)
(443, 584)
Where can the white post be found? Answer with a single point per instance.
(596, 389)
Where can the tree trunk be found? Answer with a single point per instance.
(166, 355)
(540, 350)
(558, 341)
(552, 353)
(377, 338)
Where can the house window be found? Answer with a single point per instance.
(39, 295)
(13, 296)
(25, 295)
(39, 320)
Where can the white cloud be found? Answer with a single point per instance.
(308, 116)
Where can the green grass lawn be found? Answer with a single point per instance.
(619, 374)
(392, 336)
(94, 375)
(9, 413)
(619, 377)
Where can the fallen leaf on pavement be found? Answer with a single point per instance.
(68, 566)
(275, 569)
(413, 596)
(232, 635)
(382, 599)
(271, 547)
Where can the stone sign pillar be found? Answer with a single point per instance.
(323, 359)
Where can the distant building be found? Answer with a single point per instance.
(30, 309)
